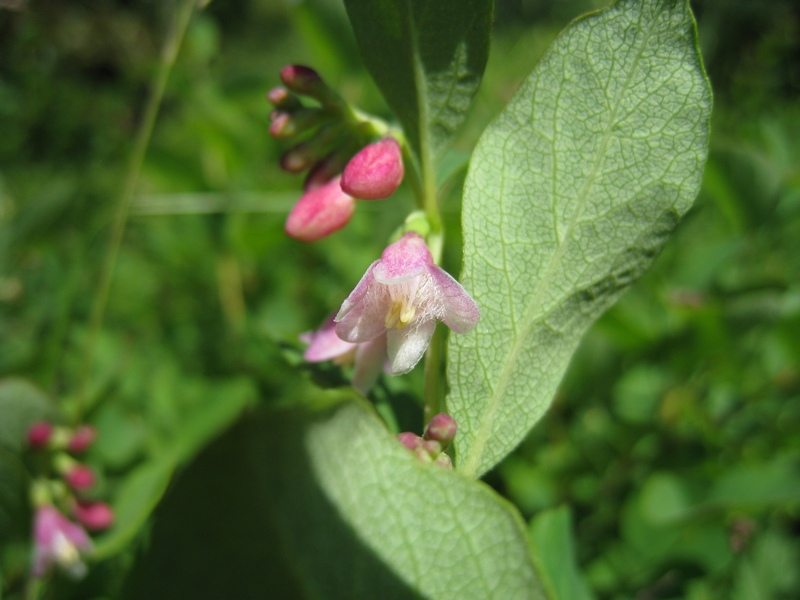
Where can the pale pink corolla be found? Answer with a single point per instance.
(368, 357)
(402, 295)
(58, 541)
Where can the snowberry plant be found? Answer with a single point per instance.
(570, 194)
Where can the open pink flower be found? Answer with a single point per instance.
(369, 357)
(402, 295)
(58, 541)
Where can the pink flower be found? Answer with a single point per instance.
(83, 437)
(375, 172)
(320, 212)
(79, 477)
(369, 357)
(94, 515)
(402, 295)
(39, 434)
(58, 541)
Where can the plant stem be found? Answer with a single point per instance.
(433, 378)
(33, 588)
(169, 53)
(433, 362)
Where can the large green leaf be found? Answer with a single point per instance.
(570, 195)
(427, 58)
(325, 503)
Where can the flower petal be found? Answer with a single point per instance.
(406, 258)
(361, 317)
(370, 358)
(406, 346)
(324, 344)
(460, 311)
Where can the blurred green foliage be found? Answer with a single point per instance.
(675, 441)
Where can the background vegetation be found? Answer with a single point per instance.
(673, 448)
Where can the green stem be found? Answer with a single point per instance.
(33, 588)
(434, 402)
(433, 392)
(169, 54)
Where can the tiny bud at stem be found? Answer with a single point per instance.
(282, 99)
(441, 428)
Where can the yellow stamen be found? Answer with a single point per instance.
(393, 315)
(406, 315)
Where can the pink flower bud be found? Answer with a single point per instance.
(375, 172)
(39, 434)
(443, 461)
(301, 79)
(432, 447)
(281, 98)
(320, 212)
(83, 437)
(281, 126)
(289, 124)
(410, 440)
(299, 158)
(79, 477)
(94, 515)
(441, 428)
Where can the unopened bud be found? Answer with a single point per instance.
(282, 99)
(94, 515)
(39, 434)
(306, 81)
(286, 125)
(375, 172)
(299, 158)
(410, 440)
(432, 447)
(441, 428)
(320, 212)
(444, 461)
(80, 477)
(83, 437)
(301, 79)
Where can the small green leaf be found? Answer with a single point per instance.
(427, 58)
(570, 195)
(133, 503)
(551, 537)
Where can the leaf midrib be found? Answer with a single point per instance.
(475, 452)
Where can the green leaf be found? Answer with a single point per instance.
(133, 504)
(570, 195)
(427, 59)
(551, 536)
(325, 503)
(21, 405)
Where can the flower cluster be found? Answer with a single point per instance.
(431, 446)
(347, 157)
(59, 540)
(388, 320)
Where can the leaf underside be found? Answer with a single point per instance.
(571, 194)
